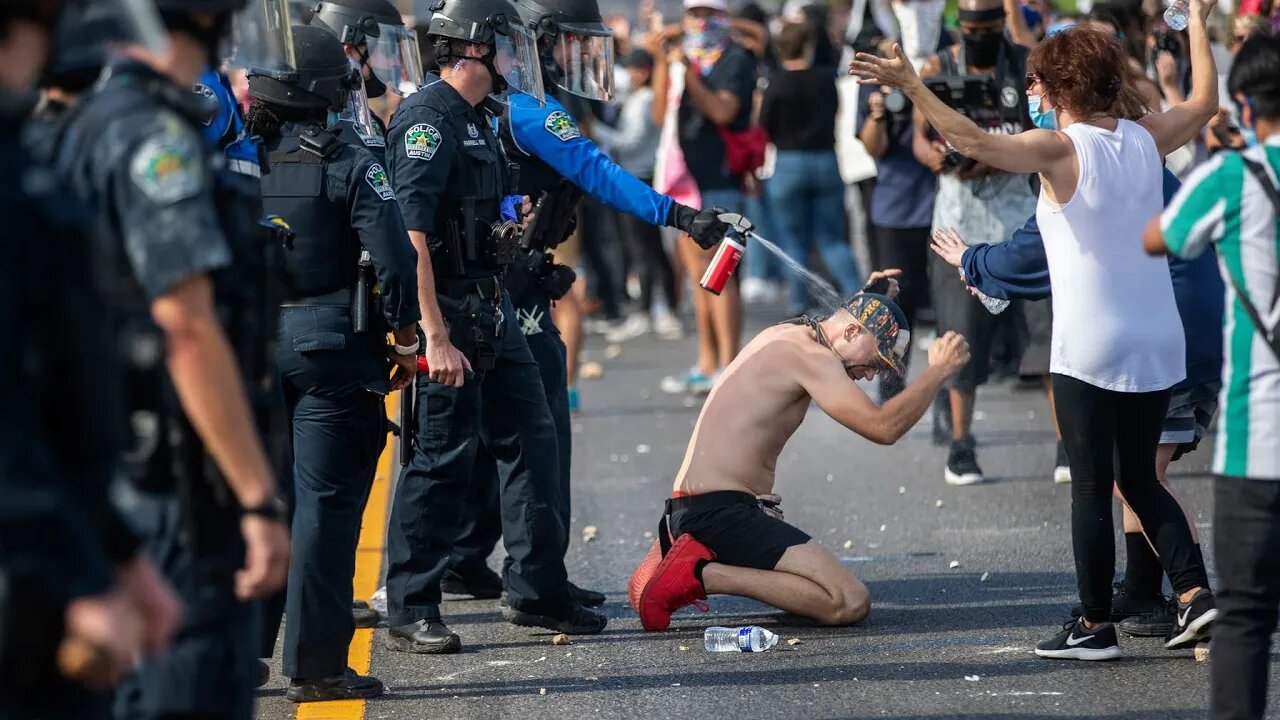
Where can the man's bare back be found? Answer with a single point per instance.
(764, 394)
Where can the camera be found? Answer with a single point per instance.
(896, 103)
(992, 108)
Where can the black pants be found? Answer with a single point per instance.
(1112, 437)
(908, 250)
(1246, 542)
(482, 526)
(643, 245)
(598, 231)
(506, 408)
(334, 382)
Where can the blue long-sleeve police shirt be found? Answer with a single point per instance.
(1018, 269)
(551, 134)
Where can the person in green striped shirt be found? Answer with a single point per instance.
(1232, 202)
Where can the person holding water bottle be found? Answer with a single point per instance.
(723, 526)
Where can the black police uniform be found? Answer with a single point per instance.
(60, 537)
(338, 201)
(533, 286)
(442, 151)
(375, 145)
(133, 155)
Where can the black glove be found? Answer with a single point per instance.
(703, 226)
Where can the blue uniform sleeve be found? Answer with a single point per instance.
(376, 217)
(420, 157)
(1015, 269)
(165, 203)
(551, 134)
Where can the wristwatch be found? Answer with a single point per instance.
(407, 349)
(274, 508)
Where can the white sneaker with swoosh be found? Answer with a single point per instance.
(1076, 642)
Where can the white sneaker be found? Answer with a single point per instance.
(634, 326)
(600, 326)
(692, 381)
(668, 327)
(758, 291)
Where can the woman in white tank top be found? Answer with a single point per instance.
(1118, 343)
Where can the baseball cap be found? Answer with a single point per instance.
(888, 323)
(721, 5)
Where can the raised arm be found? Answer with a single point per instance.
(1017, 24)
(1035, 151)
(1181, 123)
(840, 397)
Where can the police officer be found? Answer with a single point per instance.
(373, 35)
(78, 602)
(557, 166)
(451, 179)
(332, 353)
(183, 278)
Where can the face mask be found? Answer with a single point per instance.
(982, 49)
(1039, 118)
(705, 40)
(1250, 136)
(374, 87)
(621, 81)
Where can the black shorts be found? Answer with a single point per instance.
(734, 526)
(958, 311)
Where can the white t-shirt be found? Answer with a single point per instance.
(1115, 322)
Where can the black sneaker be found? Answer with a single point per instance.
(1076, 642)
(1124, 605)
(264, 673)
(1191, 625)
(1157, 623)
(479, 582)
(348, 686)
(586, 598)
(423, 638)
(962, 464)
(577, 620)
(1061, 470)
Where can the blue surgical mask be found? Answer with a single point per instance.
(1250, 136)
(1042, 120)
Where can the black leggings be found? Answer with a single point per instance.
(648, 258)
(1108, 435)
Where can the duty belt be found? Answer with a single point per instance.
(489, 287)
(340, 298)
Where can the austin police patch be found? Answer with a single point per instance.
(1009, 98)
(166, 168)
(421, 142)
(562, 126)
(377, 179)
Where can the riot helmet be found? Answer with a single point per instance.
(322, 78)
(376, 32)
(575, 47)
(511, 52)
(82, 41)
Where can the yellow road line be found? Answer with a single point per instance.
(368, 569)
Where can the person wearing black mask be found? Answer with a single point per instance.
(985, 202)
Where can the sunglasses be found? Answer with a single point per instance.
(1032, 79)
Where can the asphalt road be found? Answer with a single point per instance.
(941, 641)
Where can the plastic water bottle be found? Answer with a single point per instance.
(1176, 16)
(995, 306)
(745, 639)
(379, 600)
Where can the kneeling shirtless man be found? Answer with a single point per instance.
(729, 536)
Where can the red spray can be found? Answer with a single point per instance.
(726, 260)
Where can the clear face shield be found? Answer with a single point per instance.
(585, 56)
(395, 59)
(516, 59)
(260, 38)
(357, 111)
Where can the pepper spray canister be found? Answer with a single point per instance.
(726, 260)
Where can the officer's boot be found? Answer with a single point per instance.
(347, 686)
(575, 620)
(586, 598)
(423, 637)
(474, 579)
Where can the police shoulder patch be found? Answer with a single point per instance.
(378, 180)
(167, 168)
(422, 141)
(562, 125)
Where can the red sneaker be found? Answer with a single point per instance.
(674, 584)
(643, 573)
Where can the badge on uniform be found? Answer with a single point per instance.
(560, 124)
(165, 168)
(421, 142)
(377, 179)
(472, 130)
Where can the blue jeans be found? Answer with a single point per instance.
(761, 264)
(807, 196)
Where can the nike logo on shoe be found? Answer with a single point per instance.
(1073, 641)
(1182, 616)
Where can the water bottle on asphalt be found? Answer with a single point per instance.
(745, 639)
(1176, 16)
